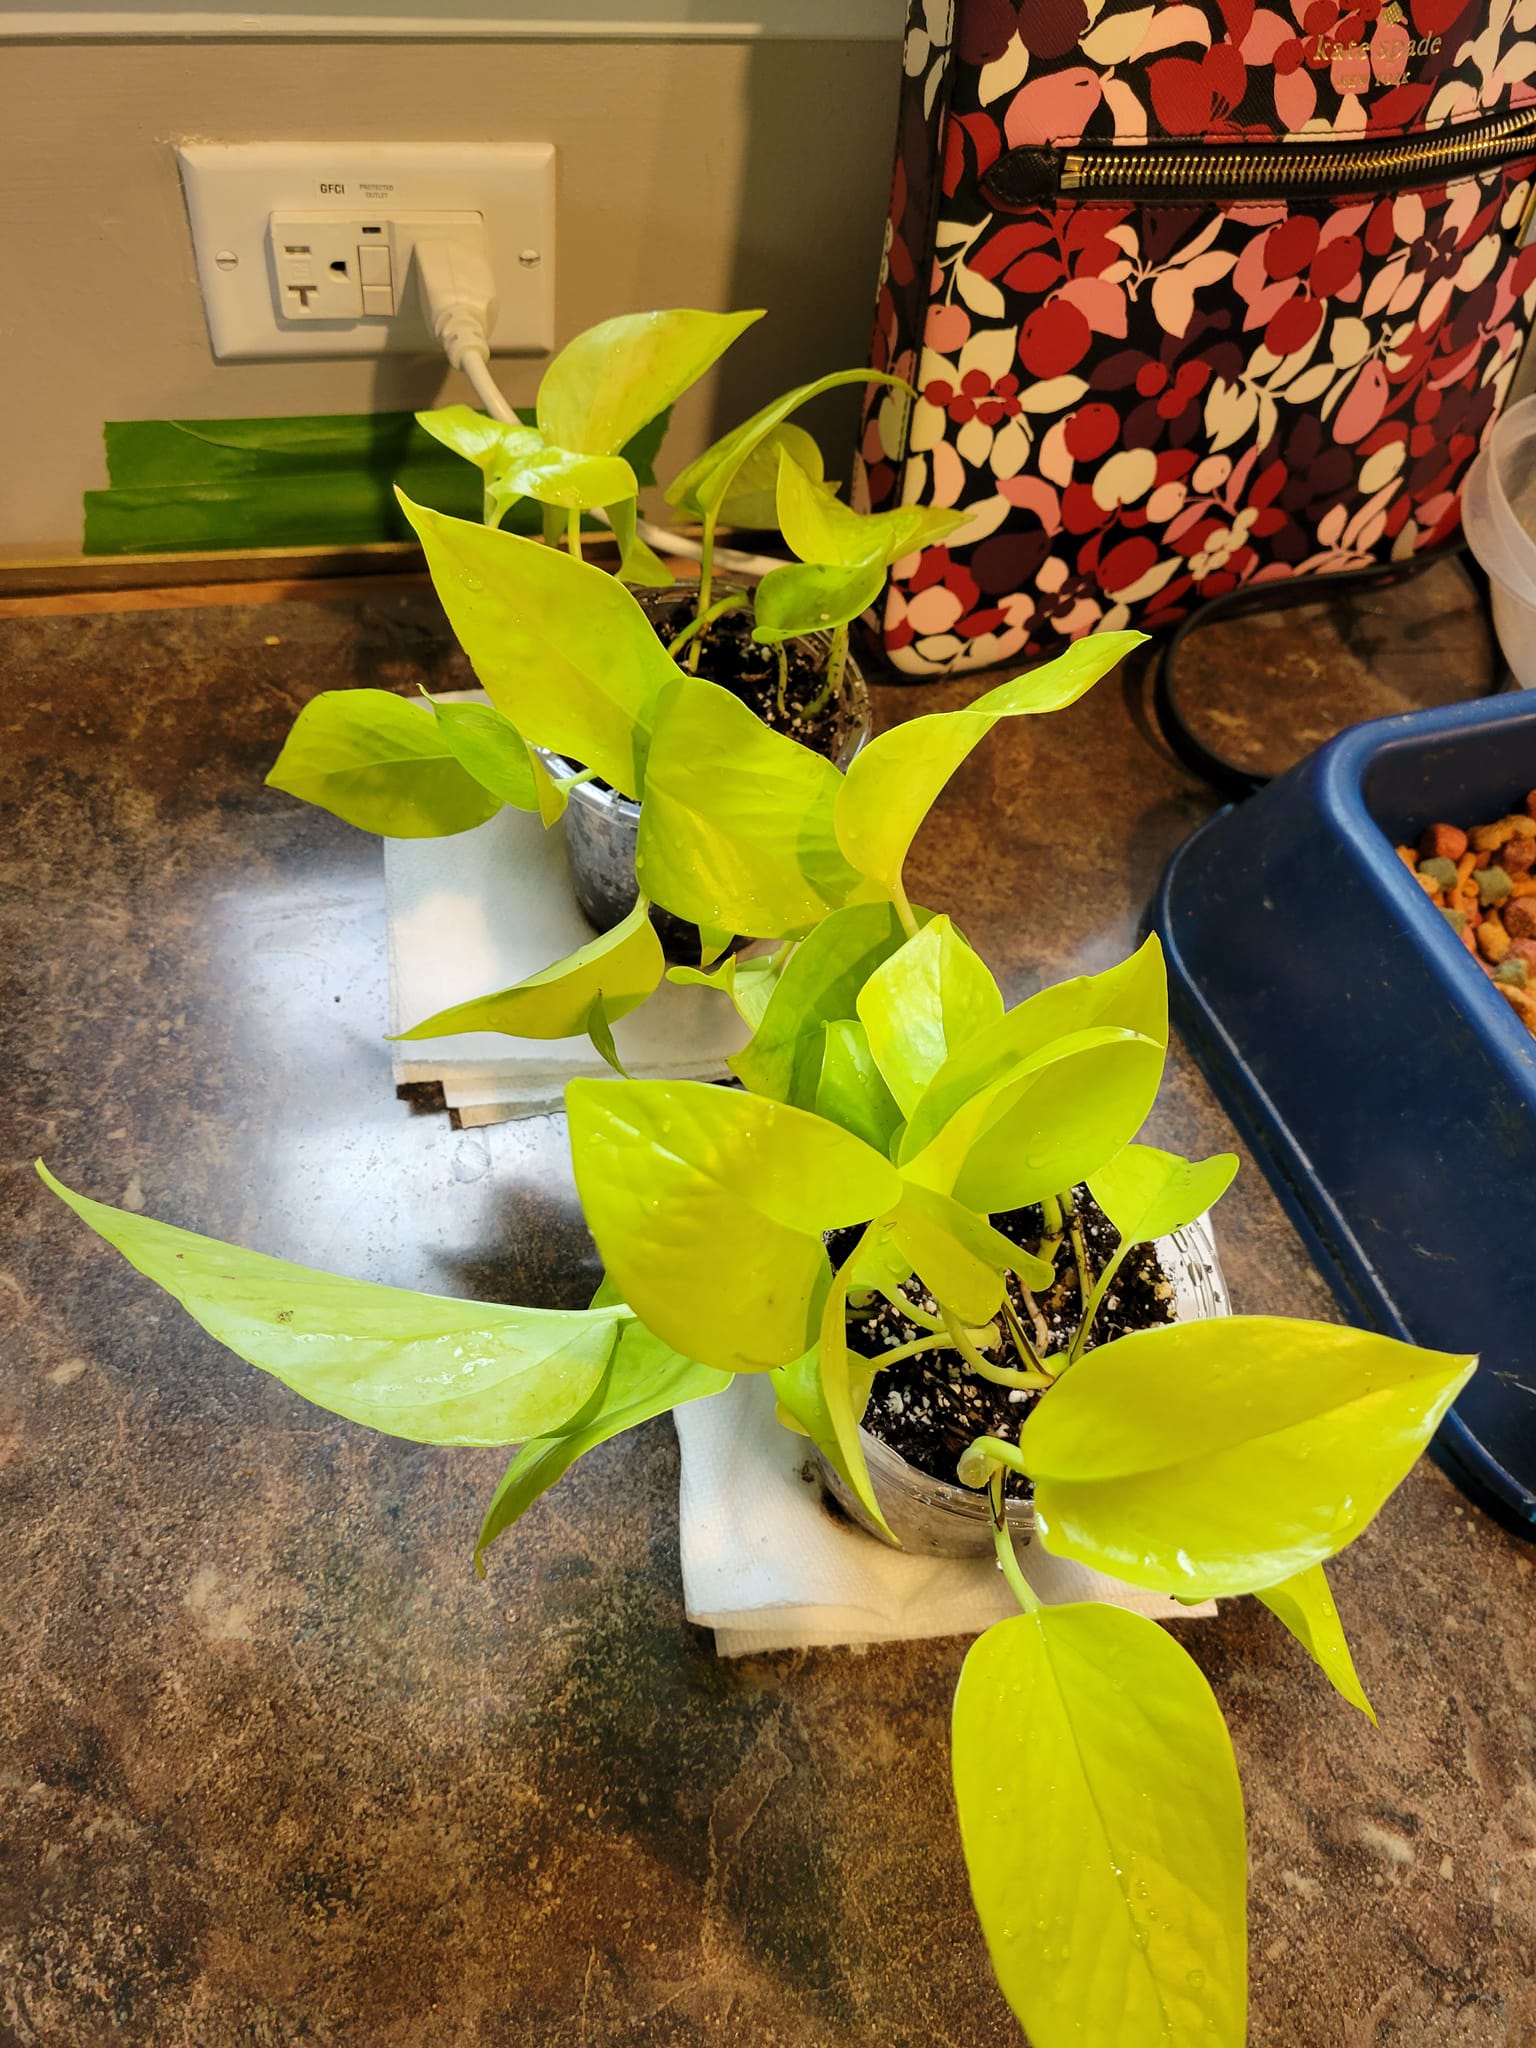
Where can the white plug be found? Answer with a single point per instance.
(457, 290)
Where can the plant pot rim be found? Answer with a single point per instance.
(939, 1517)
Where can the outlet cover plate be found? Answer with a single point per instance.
(234, 188)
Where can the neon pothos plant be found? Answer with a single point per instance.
(574, 666)
(887, 1086)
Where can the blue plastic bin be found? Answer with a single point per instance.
(1385, 1085)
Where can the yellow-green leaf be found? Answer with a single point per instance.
(708, 1206)
(749, 983)
(553, 475)
(1305, 1604)
(845, 1379)
(621, 967)
(604, 386)
(420, 1366)
(892, 784)
(1102, 1822)
(474, 435)
(753, 499)
(1046, 1123)
(820, 983)
(1224, 1456)
(644, 1378)
(958, 1254)
(638, 563)
(849, 1087)
(704, 486)
(1149, 1194)
(801, 1406)
(560, 647)
(819, 528)
(922, 1004)
(380, 762)
(805, 598)
(736, 827)
(1130, 996)
(493, 751)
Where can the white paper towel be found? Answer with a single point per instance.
(484, 909)
(768, 1567)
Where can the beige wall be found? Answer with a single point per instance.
(707, 174)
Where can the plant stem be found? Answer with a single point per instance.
(1007, 1558)
(1042, 1328)
(782, 656)
(1020, 1337)
(1000, 1375)
(574, 781)
(913, 1313)
(911, 1350)
(701, 621)
(998, 1451)
(706, 577)
(573, 532)
(1079, 1249)
(837, 655)
(1091, 1306)
(903, 909)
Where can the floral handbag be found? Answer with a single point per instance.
(1196, 294)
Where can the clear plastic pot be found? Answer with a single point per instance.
(943, 1518)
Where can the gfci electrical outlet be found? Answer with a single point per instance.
(306, 249)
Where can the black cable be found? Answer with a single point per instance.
(1229, 778)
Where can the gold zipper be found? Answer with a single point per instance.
(1026, 176)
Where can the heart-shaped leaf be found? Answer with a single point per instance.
(736, 827)
(1225, 1456)
(1048, 1121)
(845, 1379)
(922, 1004)
(494, 752)
(703, 487)
(560, 476)
(753, 499)
(619, 969)
(958, 1254)
(708, 1206)
(849, 1087)
(604, 386)
(819, 985)
(891, 786)
(560, 647)
(818, 527)
(1305, 1604)
(420, 1366)
(1149, 1194)
(749, 983)
(644, 1378)
(805, 598)
(380, 762)
(1130, 996)
(801, 1406)
(1102, 1822)
(474, 435)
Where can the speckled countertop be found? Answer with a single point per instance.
(275, 1767)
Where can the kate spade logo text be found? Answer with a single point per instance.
(1384, 60)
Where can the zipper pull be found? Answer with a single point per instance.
(1022, 178)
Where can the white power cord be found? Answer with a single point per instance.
(458, 298)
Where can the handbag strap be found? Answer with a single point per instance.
(1229, 778)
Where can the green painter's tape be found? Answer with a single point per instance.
(326, 481)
